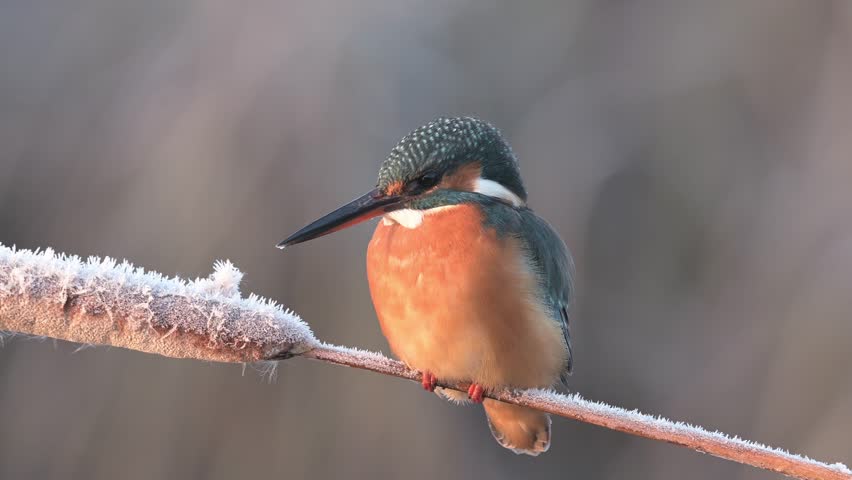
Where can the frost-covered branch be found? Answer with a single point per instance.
(103, 302)
(633, 422)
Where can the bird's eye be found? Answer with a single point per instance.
(426, 181)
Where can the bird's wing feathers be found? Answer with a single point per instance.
(555, 269)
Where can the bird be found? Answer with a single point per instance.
(468, 283)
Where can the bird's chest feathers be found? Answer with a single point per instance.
(451, 294)
(413, 253)
(422, 270)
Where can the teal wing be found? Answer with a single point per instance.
(545, 251)
(555, 270)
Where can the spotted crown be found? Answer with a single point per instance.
(447, 143)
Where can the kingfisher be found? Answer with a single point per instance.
(469, 285)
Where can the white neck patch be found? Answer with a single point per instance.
(496, 190)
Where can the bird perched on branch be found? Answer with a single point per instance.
(469, 284)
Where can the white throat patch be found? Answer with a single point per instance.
(410, 218)
(407, 217)
(496, 190)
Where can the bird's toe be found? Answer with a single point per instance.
(428, 381)
(475, 393)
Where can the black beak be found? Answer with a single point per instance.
(361, 209)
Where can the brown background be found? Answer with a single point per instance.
(694, 155)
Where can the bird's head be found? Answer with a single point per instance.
(448, 154)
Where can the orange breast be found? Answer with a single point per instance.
(455, 299)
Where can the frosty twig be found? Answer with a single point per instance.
(615, 418)
(103, 302)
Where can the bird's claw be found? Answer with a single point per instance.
(428, 381)
(475, 392)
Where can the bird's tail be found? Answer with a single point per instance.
(520, 429)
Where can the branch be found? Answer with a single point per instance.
(102, 302)
(105, 303)
(615, 418)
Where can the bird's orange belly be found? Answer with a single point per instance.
(455, 299)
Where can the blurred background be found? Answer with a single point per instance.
(694, 155)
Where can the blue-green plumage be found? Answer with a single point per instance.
(554, 269)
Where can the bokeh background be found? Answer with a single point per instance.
(694, 155)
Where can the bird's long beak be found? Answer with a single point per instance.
(363, 208)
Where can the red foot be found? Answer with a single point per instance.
(474, 392)
(429, 381)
